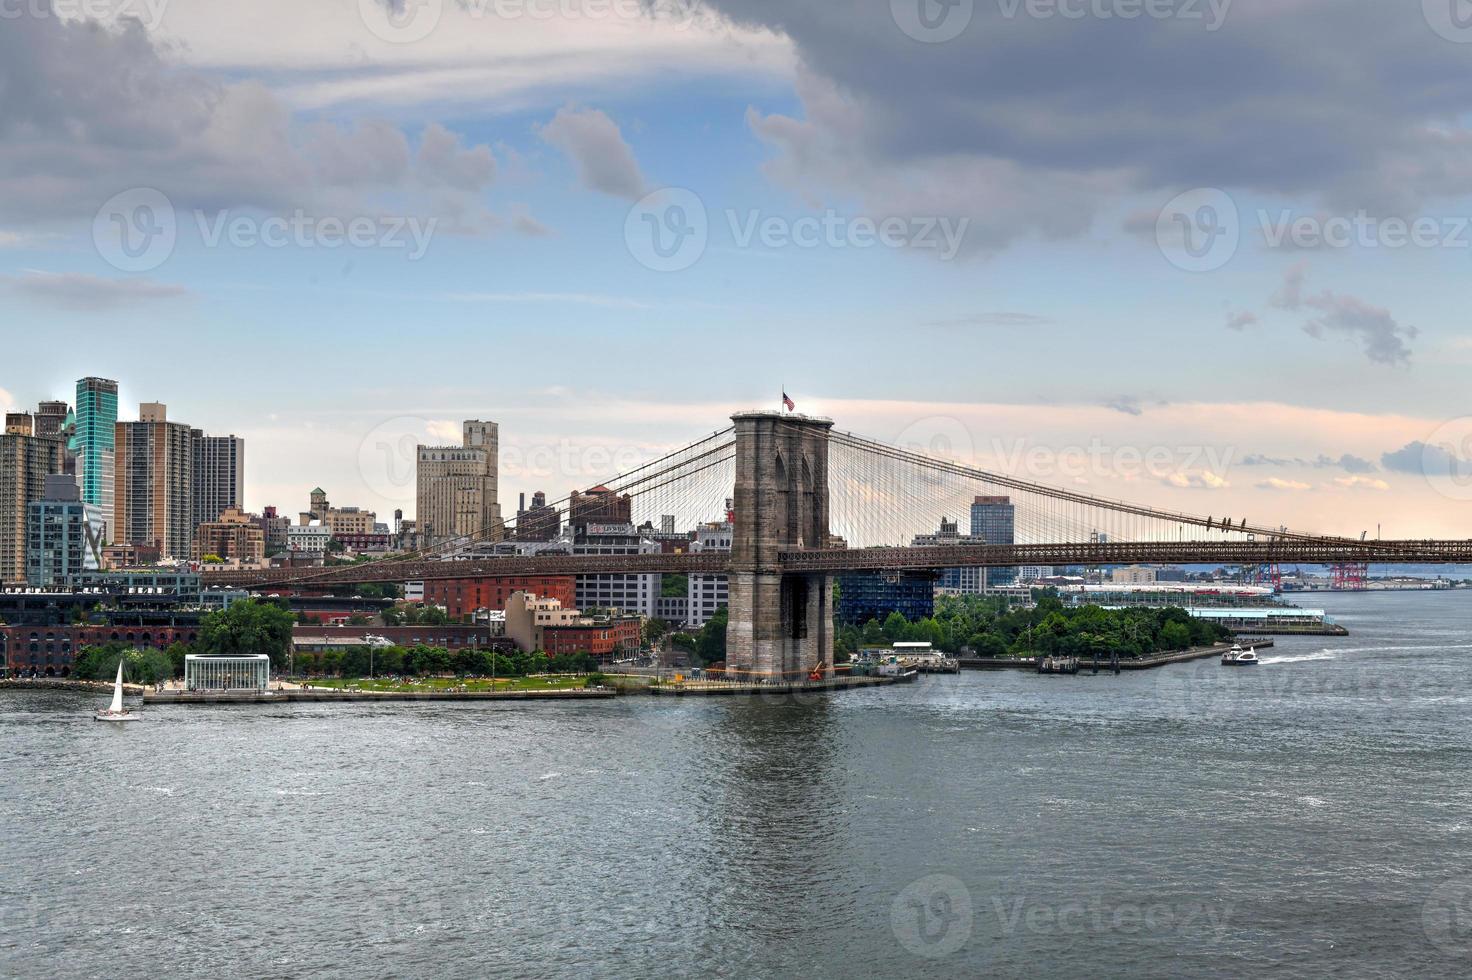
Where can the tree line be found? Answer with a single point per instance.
(987, 626)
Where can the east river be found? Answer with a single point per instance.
(1311, 816)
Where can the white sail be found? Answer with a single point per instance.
(117, 691)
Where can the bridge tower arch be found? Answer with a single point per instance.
(781, 624)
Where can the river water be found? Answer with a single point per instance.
(1311, 816)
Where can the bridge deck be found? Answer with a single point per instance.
(1321, 551)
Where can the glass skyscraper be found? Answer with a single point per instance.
(94, 442)
(993, 520)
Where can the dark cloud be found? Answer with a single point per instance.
(89, 294)
(1384, 338)
(90, 110)
(1347, 462)
(1125, 404)
(593, 142)
(1029, 123)
(1427, 460)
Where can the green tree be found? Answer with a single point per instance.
(1175, 636)
(247, 628)
(710, 644)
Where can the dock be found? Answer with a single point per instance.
(1124, 663)
(718, 688)
(324, 695)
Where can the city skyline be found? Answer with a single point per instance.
(1311, 339)
(369, 456)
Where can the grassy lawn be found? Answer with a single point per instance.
(536, 683)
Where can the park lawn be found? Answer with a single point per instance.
(534, 683)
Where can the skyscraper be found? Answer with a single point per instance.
(456, 486)
(94, 442)
(50, 418)
(219, 476)
(155, 487)
(993, 520)
(63, 534)
(25, 461)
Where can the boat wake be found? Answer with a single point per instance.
(1301, 657)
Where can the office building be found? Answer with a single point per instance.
(965, 580)
(308, 539)
(219, 475)
(599, 505)
(627, 592)
(233, 537)
(94, 443)
(456, 487)
(708, 592)
(154, 507)
(63, 534)
(51, 419)
(863, 596)
(26, 460)
(993, 521)
(537, 522)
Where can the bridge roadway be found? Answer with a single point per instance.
(1312, 551)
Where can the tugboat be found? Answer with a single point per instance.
(1238, 657)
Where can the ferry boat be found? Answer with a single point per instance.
(1238, 657)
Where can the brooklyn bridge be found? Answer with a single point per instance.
(810, 502)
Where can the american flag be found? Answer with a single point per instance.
(787, 403)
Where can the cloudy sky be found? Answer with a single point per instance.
(1228, 237)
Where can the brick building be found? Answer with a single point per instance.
(463, 596)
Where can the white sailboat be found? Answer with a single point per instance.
(116, 711)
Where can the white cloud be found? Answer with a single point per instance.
(1275, 483)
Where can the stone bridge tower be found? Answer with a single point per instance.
(781, 625)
